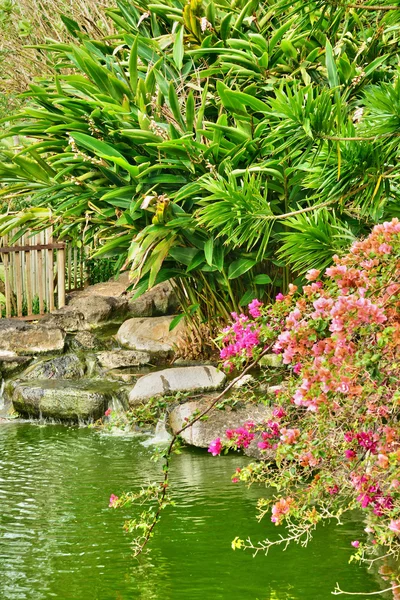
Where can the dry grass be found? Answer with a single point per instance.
(27, 22)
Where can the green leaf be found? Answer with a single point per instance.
(105, 151)
(133, 66)
(240, 266)
(333, 77)
(225, 26)
(262, 279)
(247, 298)
(174, 103)
(179, 49)
(183, 255)
(208, 251)
(190, 111)
(175, 321)
(288, 49)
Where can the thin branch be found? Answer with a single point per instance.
(339, 592)
(164, 482)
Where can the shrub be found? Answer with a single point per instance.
(220, 145)
(334, 430)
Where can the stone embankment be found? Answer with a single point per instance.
(106, 348)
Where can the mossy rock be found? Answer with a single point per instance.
(64, 400)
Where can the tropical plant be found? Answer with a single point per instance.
(219, 144)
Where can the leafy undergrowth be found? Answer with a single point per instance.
(335, 433)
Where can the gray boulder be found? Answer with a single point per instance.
(202, 433)
(119, 359)
(179, 379)
(86, 340)
(160, 300)
(65, 318)
(151, 334)
(95, 309)
(67, 366)
(23, 339)
(72, 401)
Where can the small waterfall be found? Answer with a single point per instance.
(161, 435)
(117, 405)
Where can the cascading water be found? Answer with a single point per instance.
(161, 435)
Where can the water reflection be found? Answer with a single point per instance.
(58, 539)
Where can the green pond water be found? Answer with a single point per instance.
(59, 539)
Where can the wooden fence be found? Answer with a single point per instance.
(38, 272)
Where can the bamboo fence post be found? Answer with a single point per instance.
(7, 285)
(69, 266)
(18, 281)
(81, 267)
(50, 272)
(41, 291)
(75, 268)
(28, 264)
(61, 277)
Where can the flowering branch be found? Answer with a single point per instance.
(160, 493)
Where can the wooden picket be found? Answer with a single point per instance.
(38, 272)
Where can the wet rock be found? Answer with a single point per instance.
(160, 300)
(71, 401)
(179, 379)
(95, 309)
(118, 359)
(245, 380)
(123, 375)
(150, 334)
(11, 364)
(202, 433)
(68, 366)
(114, 288)
(85, 340)
(23, 338)
(65, 318)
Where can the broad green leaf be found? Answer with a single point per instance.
(133, 66)
(176, 320)
(333, 77)
(208, 251)
(179, 50)
(262, 279)
(240, 266)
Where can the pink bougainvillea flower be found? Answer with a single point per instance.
(215, 447)
(108, 412)
(355, 544)
(394, 526)
(350, 454)
(113, 500)
(280, 297)
(280, 509)
(254, 308)
(383, 461)
(312, 274)
(279, 411)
